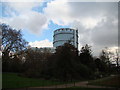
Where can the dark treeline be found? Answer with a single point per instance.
(66, 63)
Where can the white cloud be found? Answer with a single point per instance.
(113, 49)
(62, 0)
(58, 12)
(43, 43)
(33, 21)
(90, 22)
(23, 17)
(64, 13)
(106, 34)
(96, 22)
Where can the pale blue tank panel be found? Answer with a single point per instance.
(63, 35)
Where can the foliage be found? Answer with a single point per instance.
(115, 56)
(12, 44)
(66, 57)
(35, 62)
(12, 39)
(65, 64)
(99, 67)
(86, 58)
(105, 60)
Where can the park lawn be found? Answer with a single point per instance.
(12, 80)
(80, 88)
(0, 80)
(84, 88)
(112, 81)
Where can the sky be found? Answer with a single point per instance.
(96, 21)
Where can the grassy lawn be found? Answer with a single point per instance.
(12, 80)
(112, 81)
(0, 80)
(85, 88)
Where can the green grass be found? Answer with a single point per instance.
(12, 80)
(112, 81)
(0, 80)
(83, 88)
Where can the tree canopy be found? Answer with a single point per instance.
(12, 39)
(12, 44)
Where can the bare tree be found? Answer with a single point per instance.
(12, 40)
(116, 57)
(113, 57)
